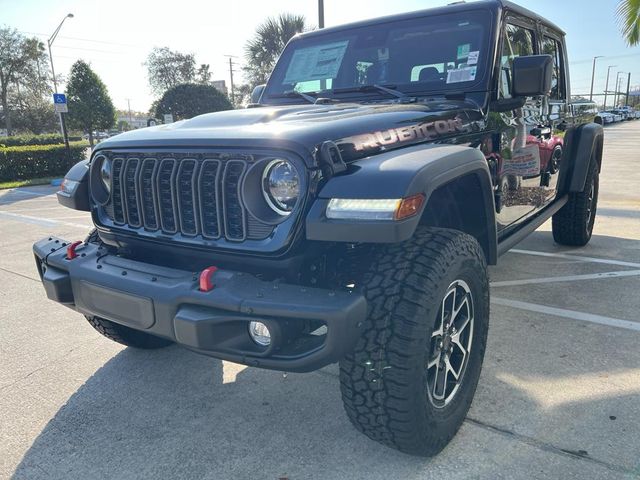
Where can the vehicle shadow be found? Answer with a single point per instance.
(176, 414)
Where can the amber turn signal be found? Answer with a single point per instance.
(409, 206)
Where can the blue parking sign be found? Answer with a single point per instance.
(59, 98)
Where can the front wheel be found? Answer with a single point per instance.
(412, 375)
(573, 223)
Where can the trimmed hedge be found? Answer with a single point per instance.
(34, 161)
(44, 139)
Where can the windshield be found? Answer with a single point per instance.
(436, 53)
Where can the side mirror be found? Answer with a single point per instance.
(257, 93)
(532, 75)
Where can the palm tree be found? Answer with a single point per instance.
(263, 50)
(628, 14)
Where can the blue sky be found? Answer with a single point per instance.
(116, 36)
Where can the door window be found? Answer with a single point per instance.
(550, 46)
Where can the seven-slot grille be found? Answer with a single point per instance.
(188, 196)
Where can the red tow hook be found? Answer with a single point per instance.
(206, 279)
(71, 250)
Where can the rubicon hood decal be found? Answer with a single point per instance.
(424, 131)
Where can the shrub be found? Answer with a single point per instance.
(33, 161)
(44, 139)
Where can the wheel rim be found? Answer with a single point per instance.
(450, 344)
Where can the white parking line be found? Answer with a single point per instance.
(572, 314)
(43, 222)
(576, 258)
(568, 278)
(28, 192)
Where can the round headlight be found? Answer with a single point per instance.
(281, 186)
(105, 173)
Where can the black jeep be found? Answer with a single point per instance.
(348, 216)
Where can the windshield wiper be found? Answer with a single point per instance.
(369, 88)
(293, 94)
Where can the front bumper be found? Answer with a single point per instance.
(168, 303)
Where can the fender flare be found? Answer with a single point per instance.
(582, 143)
(400, 174)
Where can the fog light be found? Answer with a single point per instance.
(260, 333)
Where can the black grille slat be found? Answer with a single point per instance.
(130, 192)
(234, 218)
(165, 192)
(186, 196)
(116, 190)
(147, 194)
(208, 195)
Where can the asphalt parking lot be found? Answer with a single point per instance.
(559, 395)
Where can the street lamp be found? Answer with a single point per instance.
(606, 88)
(63, 127)
(618, 88)
(593, 74)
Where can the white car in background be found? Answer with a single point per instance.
(606, 117)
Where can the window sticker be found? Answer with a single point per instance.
(314, 63)
(463, 50)
(465, 74)
(525, 162)
(472, 59)
(383, 54)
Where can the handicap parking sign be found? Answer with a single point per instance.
(60, 102)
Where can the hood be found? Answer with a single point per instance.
(357, 129)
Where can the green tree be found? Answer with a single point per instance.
(90, 107)
(203, 75)
(262, 51)
(628, 14)
(167, 68)
(189, 100)
(23, 72)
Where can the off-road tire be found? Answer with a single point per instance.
(384, 380)
(573, 223)
(127, 336)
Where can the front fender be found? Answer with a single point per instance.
(399, 174)
(581, 145)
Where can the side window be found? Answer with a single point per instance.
(551, 47)
(518, 42)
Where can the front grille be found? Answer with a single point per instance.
(192, 195)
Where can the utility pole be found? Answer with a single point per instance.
(628, 85)
(606, 88)
(63, 125)
(129, 107)
(593, 74)
(231, 64)
(320, 13)
(617, 98)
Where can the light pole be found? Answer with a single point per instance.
(606, 88)
(593, 74)
(63, 126)
(320, 13)
(618, 88)
(626, 103)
